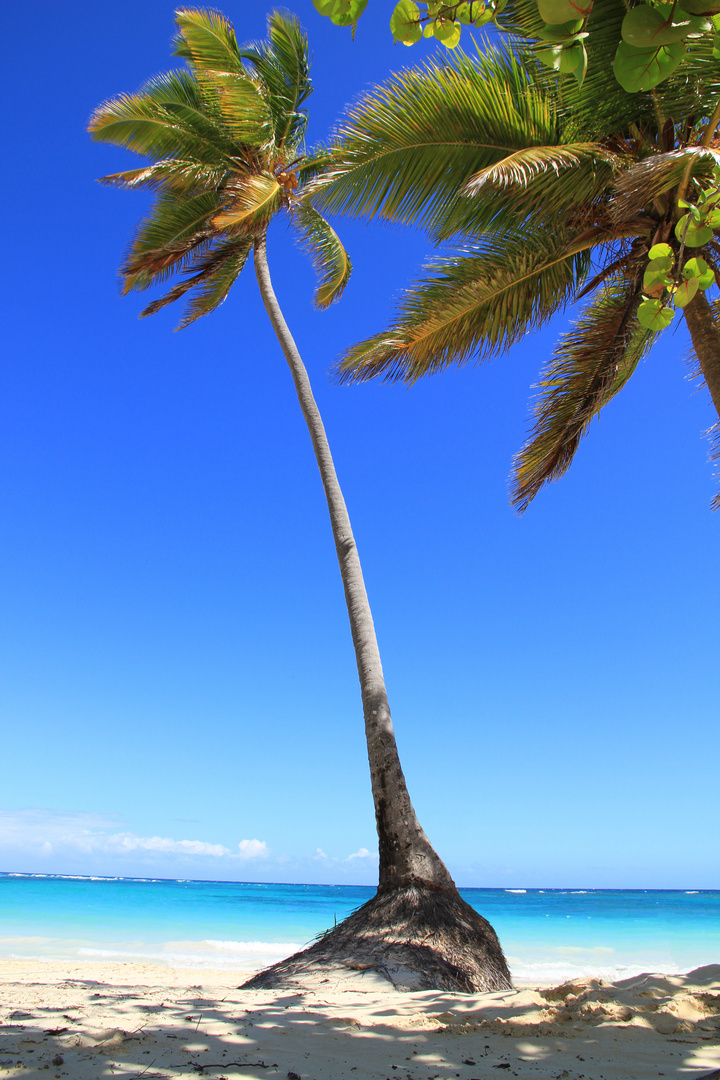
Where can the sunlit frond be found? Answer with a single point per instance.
(542, 181)
(591, 364)
(253, 200)
(329, 257)
(409, 147)
(174, 175)
(208, 40)
(637, 186)
(520, 168)
(477, 305)
(245, 109)
(169, 117)
(283, 64)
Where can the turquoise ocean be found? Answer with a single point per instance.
(547, 934)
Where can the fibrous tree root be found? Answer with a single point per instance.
(417, 937)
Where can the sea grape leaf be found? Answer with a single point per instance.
(686, 291)
(662, 251)
(701, 7)
(642, 69)
(550, 57)
(448, 32)
(698, 270)
(654, 316)
(695, 234)
(560, 32)
(341, 12)
(645, 26)
(487, 15)
(405, 22)
(655, 282)
(468, 13)
(713, 219)
(560, 11)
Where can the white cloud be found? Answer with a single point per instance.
(320, 854)
(252, 849)
(361, 853)
(130, 842)
(50, 832)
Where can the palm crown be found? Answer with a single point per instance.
(225, 138)
(553, 192)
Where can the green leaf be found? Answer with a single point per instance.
(405, 22)
(468, 13)
(697, 269)
(550, 57)
(561, 32)
(579, 68)
(645, 26)
(487, 15)
(653, 316)
(662, 251)
(686, 291)
(716, 47)
(341, 12)
(693, 234)
(561, 11)
(642, 69)
(656, 281)
(713, 219)
(447, 32)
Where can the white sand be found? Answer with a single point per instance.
(99, 1020)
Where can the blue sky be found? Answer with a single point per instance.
(178, 690)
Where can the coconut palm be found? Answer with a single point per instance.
(551, 192)
(225, 142)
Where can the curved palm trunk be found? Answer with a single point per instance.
(705, 334)
(406, 855)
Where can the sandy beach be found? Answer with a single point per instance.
(130, 1020)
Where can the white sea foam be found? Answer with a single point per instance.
(559, 971)
(516, 890)
(248, 955)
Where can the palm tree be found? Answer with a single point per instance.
(551, 192)
(225, 141)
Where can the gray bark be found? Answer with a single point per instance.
(406, 855)
(705, 334)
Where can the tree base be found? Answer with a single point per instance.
(416, 937)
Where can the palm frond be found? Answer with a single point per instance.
(173, 230)
(409, 147)
(168, 117)
(173, 175)
(254, 200)
(329, 257)
(520, 168)
(208, 40)
(283, 64)
(636, 187)
(477, 305)
(212, 275)
(546, 181)
(591, 364)
(245, 109)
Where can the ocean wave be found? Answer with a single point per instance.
(516, 890)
